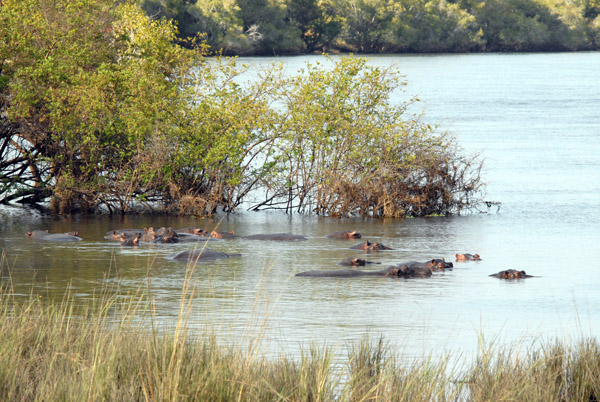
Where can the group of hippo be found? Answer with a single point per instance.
(133, 237)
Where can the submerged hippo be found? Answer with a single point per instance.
(200, 255)
(512, 274)
(356, 262)
(128, 231)
(351, 273)
(368, 246)
(128, 241)
(393, 272)
(116, 235)
(344, 234)
(193, 231)
(166, 235)
(276, 237)
(44, 235)
(435, 264)
(149, 235)
(467, 257)
(223, 235)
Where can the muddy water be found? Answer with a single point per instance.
(533, 117)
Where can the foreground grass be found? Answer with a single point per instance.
(58, 352)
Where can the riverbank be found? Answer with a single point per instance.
(117, 349)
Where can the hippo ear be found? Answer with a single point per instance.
(433, 261)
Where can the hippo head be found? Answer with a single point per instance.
(514, 274)
(358, 262)
(379, 246)
(353, 235)
(169, 238)
(395, 271)
(440, 264)
(468, 257)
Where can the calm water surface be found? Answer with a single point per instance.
(535, 118)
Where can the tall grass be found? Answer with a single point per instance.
(58, 352)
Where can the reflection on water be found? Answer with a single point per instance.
(533, 118)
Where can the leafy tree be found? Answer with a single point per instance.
(518, 25)
(98, 102)
(316, 22)
(436, 26)
(266, 25)
(367, 24)
(103, 111)
(344, 149)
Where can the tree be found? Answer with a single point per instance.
(343, 149)
(267, 27)
(367, 24)
(316, 22)
(96, 102)
(436, 26)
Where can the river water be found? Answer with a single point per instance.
(534, 118)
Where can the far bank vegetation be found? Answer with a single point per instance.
(101, 111)
(278, 27)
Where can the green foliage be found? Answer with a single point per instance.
(437, 26)
(316, 21)
(117, 117)
(367, 24)
(344, 149)
(382, 26)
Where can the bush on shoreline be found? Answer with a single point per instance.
(116, 117)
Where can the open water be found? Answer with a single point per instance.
(534, 118)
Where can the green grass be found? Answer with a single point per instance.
(63, 352)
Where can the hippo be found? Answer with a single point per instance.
(223, 235)
(368, 246)
(467, 257)
(356, 262)
(435, 264)
(512, 274)
(200, 255)
(193, 231)
(116, 235)
(392, 272)
(131, 232)
(61, 237)
(129, 241)
(344, 234)
(276, 237)
(351, 273)
(149, 235)
(164, 235)
(191, 238)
